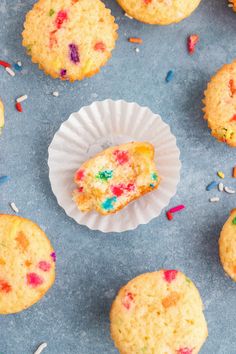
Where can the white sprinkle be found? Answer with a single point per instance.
(55, 93)
(230, 5)
(41, 348)
(131, 18)
(214, 200)
(221, 187)
(14, 207)
(21, 98)
(19, 63)
(229, 190)
(137, 50)
(10, 71)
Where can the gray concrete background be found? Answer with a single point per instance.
(74, 316)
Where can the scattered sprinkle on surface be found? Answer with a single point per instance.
(5, 64)
(221, 174)
(192, 40)
(212, 185)
(130, 17)
(170, 75)
(221, 187)
(10, 71)
(177, 208)
(41, 348)
(136, 40)
(55, 93)
(234, 172)
(21, 98)
(229, 190)
(137, 50)
(14, 207)
(214, 199)
(19, 107)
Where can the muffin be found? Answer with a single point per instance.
(227, 246)
(27, 264)
(156, 12)
(1, 116)
(220, 101)
(115, 177)
(159, 312)
(70, 39)
(233, 4)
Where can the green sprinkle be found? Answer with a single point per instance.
(105, 175)
(154, 176)
(51, 12)
(29, 48)
(152, 185)
(188, 280)
(234, 221)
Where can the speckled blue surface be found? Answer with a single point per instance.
(74, 316)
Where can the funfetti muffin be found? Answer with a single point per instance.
(1, 116)
(70, 39)
(159, 12)
(232, 3)
(27, 264)
(227, 246)
(158, 313)
(115, 177)
(220, 104)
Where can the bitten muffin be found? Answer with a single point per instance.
(227, 246)
(115, 177)
(158, 313)
(27, 264)
(70, 39)
(159, 12)
(220, 104)
(1, 116)
(233, 4)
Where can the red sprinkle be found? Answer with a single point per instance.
(191, 43)
(169, 215)
(128, 300)
(147, 1)
(233, 119)
(118, 190)
(80, 189)
(232, 87)
(44, 266)
(79, 176)
(100, 47)
(19, 107)
(5, 286)
(34, 279)
(177, 208)
(170, 275)
(5, 64)
(185, 351)
(121, 156)
(61, 18)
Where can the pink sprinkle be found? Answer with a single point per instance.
(185, 351)
(128, 300)
(44, 266)
(54, 256)
(34, 280)
(121, 156)
(79, 176)
(61, 17)
(130, 187)
(177, 208)
(170, 275)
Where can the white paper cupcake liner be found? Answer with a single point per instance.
(96, 127)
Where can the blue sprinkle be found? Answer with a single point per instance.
(211, 185)
(108, 203)
(4, 179)
(17, 67)
(152, 185)
(169, 76)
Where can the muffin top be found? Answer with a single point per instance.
(160, 12)
(70, 39)
(227, 246)
(159, 312)
(220, 103)
(27, 264)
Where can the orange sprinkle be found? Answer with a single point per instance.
(2, 262)
(135, 40)
(234, 172)
(5, 286)
(22, 241)
(171, 300)
(234, 269)
(28, 263)
(233, 119)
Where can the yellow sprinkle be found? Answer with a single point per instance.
(221, 174)
(56, 64)
(87, 66)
